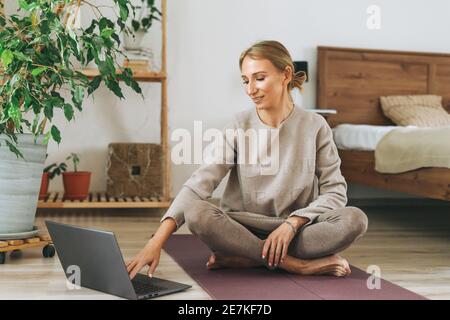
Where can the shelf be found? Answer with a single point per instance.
(323, 111)
(138, 75)
(101, 200)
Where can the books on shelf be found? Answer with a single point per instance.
(137, 65)
(138, 59)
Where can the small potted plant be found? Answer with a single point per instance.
(143, 17)
(49, 173)
(76, 183)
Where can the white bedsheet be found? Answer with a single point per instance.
(359, 136)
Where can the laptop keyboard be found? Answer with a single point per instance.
(145, 287)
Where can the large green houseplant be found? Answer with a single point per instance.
(40, 53)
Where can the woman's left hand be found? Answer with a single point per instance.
(277, 243)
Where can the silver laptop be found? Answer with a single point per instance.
(96, 256)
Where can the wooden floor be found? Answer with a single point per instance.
(411, 245)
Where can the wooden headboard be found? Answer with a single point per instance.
(352, 80)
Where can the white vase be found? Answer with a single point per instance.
(133, 43)
(20, 181)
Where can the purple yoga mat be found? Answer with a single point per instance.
(262, 284)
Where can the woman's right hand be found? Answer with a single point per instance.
(147, 256)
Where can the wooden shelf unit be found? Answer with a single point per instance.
(104, 201)
(138, 75)
(100, 200)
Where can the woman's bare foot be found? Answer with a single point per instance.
(218, 261)
(330, 265)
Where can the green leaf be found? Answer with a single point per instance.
(66, 73)
(114, 87)
(135, 24)
(7, 57)
(27, 123)
(36, 107)
(72, 34)
(27, 99)
(106, 69)
(110, 63)
(89, 55)
(107, 32)
(24, 5)
(135, 86)
(91, 27)
(34, 127)
(48, 109)
(38, 71)
(21, 56)
(47, 137)
(56, 135)
(50, 167)
(94, 84)
(121, 24)
(127, 76)
(78, 96)
(14, 149)
(123, 10)
(45, 27)
(105, 23)
(68, 111)
(15, 115)
(146, 22)
(98, 43)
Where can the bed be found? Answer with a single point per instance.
(352, 80)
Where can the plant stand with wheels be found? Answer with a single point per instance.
(15, 246)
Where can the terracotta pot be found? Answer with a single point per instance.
(76, 185)
(44, 186)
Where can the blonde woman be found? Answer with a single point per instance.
(295, 218)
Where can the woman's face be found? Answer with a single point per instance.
(264, 83)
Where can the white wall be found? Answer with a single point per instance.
(205, 39)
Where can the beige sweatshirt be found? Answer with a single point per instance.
(307, 181)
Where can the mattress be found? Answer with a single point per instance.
(359, 136)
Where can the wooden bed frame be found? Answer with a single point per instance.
(352, 80)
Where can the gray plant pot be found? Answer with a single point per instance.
(20, 182)
(134, 43)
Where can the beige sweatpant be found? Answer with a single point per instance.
(244, 233)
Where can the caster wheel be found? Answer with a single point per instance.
(2, 257)
(16, 254)
(48, 251)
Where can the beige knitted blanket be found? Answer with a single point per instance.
(405, 149)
